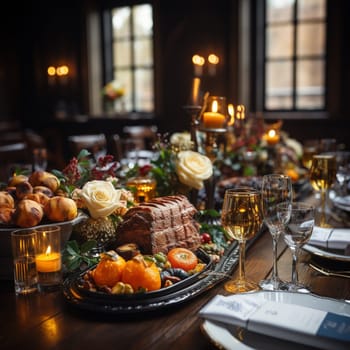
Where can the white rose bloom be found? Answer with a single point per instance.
(193, 168)
(100, 197)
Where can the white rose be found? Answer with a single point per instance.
(193, 168)
(100, 197)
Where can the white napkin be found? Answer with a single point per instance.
(294, 322)
(333, 238)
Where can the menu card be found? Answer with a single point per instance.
(291, 322)
(332, 238)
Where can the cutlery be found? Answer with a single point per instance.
(327, 272)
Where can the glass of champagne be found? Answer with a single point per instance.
(241, 217)
(322, 176)
(299, 219)
(276, 189)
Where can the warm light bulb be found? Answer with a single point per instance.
(213, 59)
(62, 70)
(198, 60)
(51, 71)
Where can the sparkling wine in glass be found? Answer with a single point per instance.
(241, 217)
(322, 176)
(299, 221)
(276, 189)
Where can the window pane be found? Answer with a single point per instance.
(279, 41)
(311, 9)
(311, 39)
(121, 22)
(144, 90)
(122, 54)
(143, 20)
(125, 78)
(143, 50)
(310, 84)
(279, 11)
(279, 81)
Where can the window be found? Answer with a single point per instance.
(295, 55)
(132, 55)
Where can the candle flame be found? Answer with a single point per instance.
(240, 112)
(48, 250)
(272, 133)
(231, 112)
(214, 106)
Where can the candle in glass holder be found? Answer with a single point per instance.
(48, 262)
(272, 137)
(213, 119)
(48, 256)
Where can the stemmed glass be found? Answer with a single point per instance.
(322, 176)
(276, 189)
(242, 218)
(299, 221)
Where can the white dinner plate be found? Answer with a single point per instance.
(325, 253)
(342, 202)
(228, 337)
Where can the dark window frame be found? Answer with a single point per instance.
(257, 85)
(107, 49)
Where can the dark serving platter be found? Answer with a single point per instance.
(181, 292)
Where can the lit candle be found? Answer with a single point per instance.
(231, 112)
(48, 262)
(272, 137)
(213, 119)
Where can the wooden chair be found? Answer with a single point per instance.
(143, 136)
(94, 143)
(14, 156)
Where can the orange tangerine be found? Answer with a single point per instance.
(109, 270)
(141, 274)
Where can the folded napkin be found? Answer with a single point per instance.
(291, 322)
(333, 238)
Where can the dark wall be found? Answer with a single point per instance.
(39, 33)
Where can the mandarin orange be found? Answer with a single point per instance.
(109, 270)
(141, 274)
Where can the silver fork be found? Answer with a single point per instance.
(327, 272)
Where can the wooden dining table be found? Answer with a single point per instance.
(45, 320)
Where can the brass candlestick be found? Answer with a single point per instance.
(213, 122)
(194, 113)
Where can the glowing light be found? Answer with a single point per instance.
(213, 59)
(198, 60)
(51, 71)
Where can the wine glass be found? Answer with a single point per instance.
(299, 219)
(276, 188)
(322, 176)
(241, 217)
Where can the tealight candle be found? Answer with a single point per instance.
(48, 256)
(48, 262)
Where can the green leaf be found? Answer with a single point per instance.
(83, 154)
(87, 246)
(73, 246)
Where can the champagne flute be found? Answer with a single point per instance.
(276, 188)
(322, 176)
(242, 218)
(299, 219)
